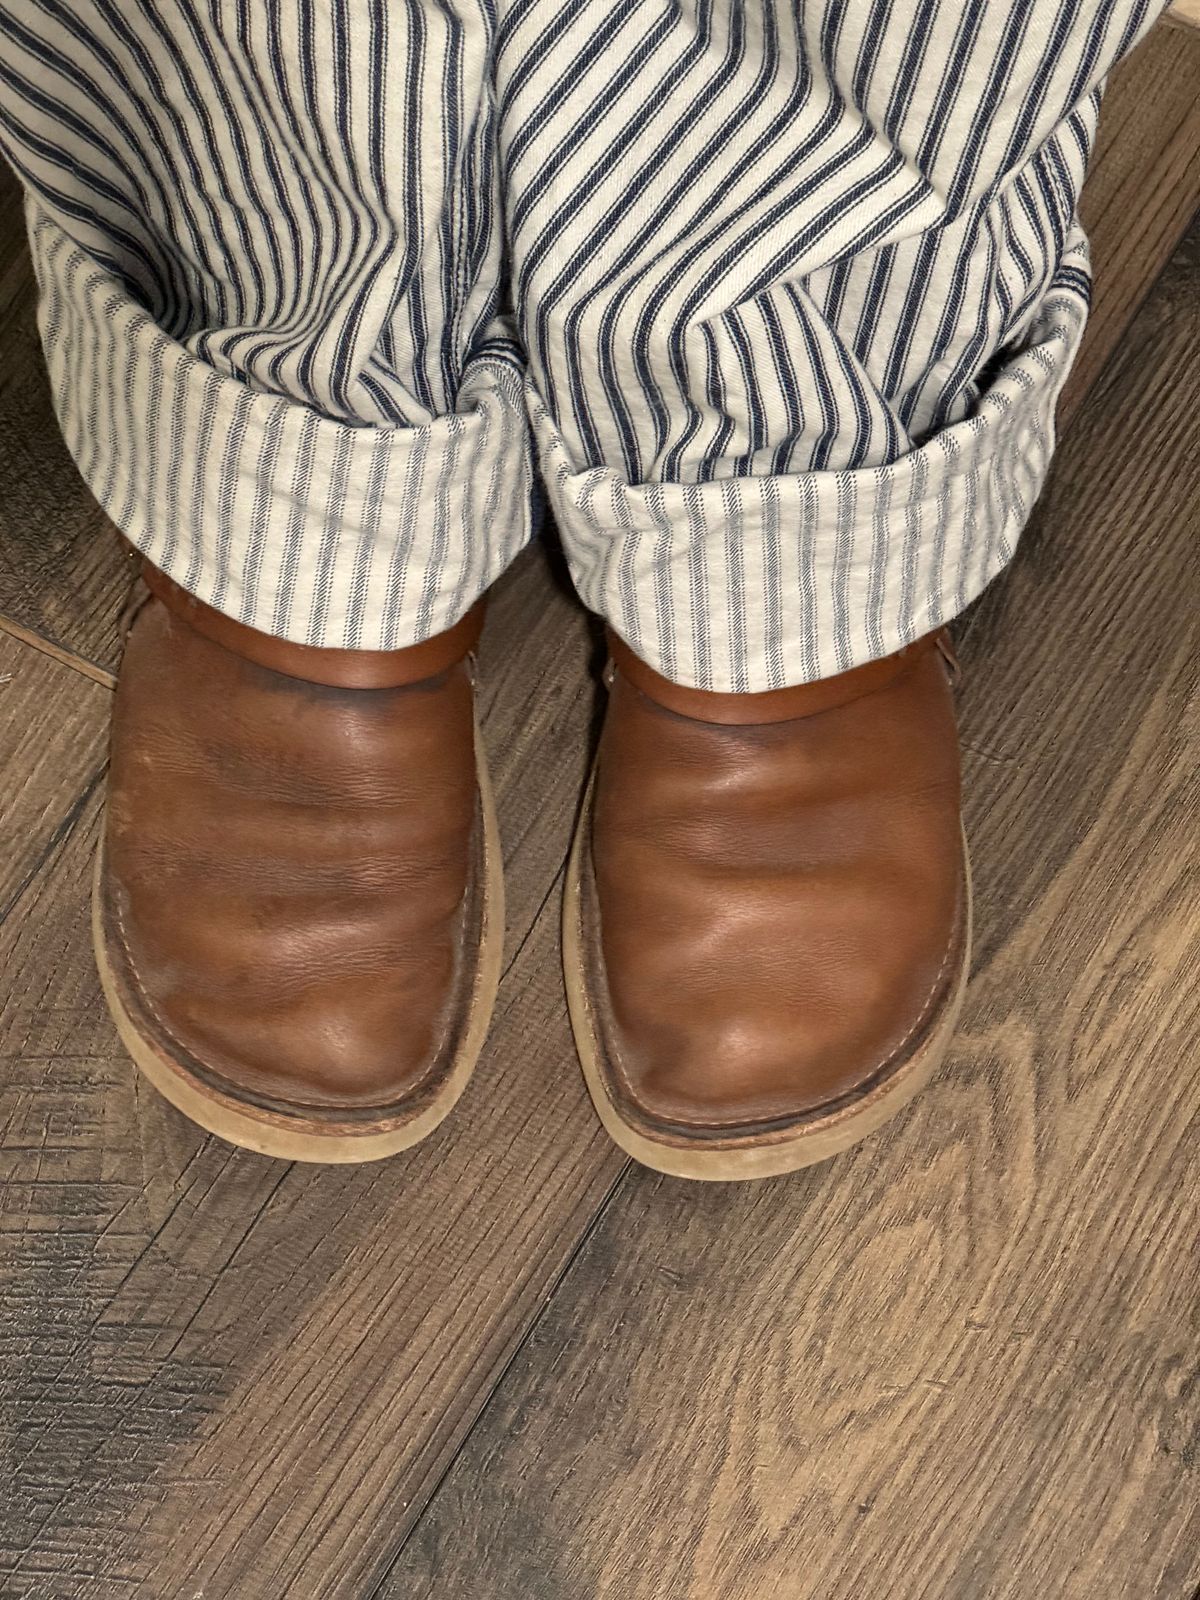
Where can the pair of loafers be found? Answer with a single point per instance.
(299, 895)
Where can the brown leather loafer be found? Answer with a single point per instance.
(767, 919)
(298, 907)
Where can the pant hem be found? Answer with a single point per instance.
(753, 583)
(323, 533)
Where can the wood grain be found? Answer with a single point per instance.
(960, 1363)
(53, 733)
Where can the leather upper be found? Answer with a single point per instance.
(777, 886)
(292, 867)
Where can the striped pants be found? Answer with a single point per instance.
(776, 297)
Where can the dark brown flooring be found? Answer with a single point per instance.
(959, 1363)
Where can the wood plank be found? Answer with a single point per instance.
(280, 1360)
(15, 275)
(1143, 190)
(53, 737)
(961, 1361)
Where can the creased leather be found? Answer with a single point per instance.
(780, 903)
(288, 866)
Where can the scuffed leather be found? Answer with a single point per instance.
(780, 906)
(288, 865)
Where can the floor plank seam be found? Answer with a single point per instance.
(555, 883)
(65, 658)
(581, 1241)
(54, 843)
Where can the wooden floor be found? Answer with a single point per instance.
(959, 1363)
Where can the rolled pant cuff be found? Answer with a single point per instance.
(357, 537)
(746, 584)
